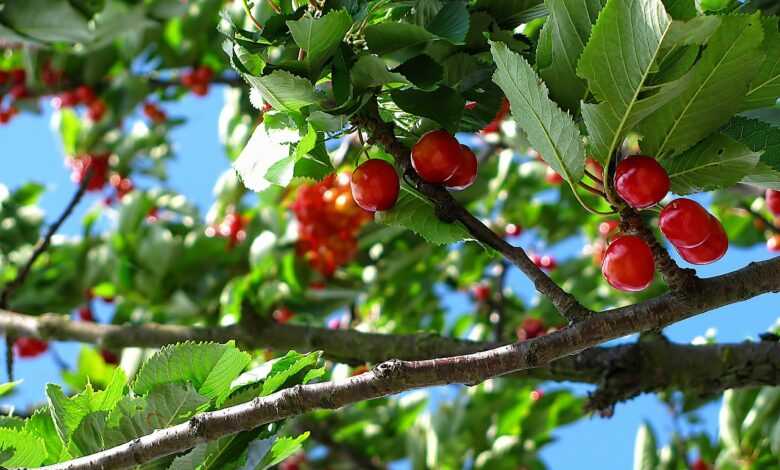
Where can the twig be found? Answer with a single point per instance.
(768, 224)
(248, 12)
(592, 189)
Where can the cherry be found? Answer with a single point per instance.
(283, 315)
(712, 249)
(200, 89)
(595, 168)
(628, 264)
(18, 76)
(495, 124)
(537, 394)
(66, 99)
(5, 117)
(85, 314)
(773, 244)
(18, 91)
(4, 76)
(436, 156)
(84, 94)
(533, 327)
(513, 230)
(544, 261)
(466, 173)
(481, 291)
(122, 185)
(641, 181)
(773, 201)
(203, 74)
(470, 105)
(97, 164)
(109, 357)
(608, 227)
(375, 185)
(154, 113)
(96, 110)
(30, 347)
(232, 228)
(552, 177)
(700, 464)
(685, 223)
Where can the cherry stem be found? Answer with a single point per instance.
(248, 11)
(593, 177)
(592, 189)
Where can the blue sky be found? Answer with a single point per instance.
(30, 151)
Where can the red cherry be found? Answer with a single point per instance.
(66, 99)
(4, 76)
(96, 110)
(98, 164)
(85, 94)
(18, 91)
(154, 113)
(5, 117)
(537, 394)
(773, 244)
(203, 74)
(628, 264)
(109, 357)
(283, 315)
(552, 177)
(533, 327)
(122, 185)
(374, 185)
(85, 314)
(200, 89)
(470, 105)
(513, 230)
(608, 227)
(18, 76)
(436, 156)
(700, 464)
(495, 124)
(685, 223)
(712, 249)
(480, 291)
(641, 181)
(595, 167)
(30, 347)
(466, 173)
(773, 201)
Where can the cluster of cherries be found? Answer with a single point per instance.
(697, 235)
(232, 227)
(438, 158)
(198, 80)
(82, 95)
(154, 113)
(97, 166)
(14, 81)
(329, 220)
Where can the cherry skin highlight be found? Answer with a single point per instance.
(375, 185)
(628, 264)
(436, 156)
(641, 181)
(466, 173)
(712, 249)
(685, 223)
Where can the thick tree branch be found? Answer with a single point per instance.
(448, 209)
(395, 376)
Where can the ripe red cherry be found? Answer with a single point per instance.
(773, 244)
(436, 156)
(533, 327)
(700, 464)
(375, 185)
(109, 357)
(85, 94)
(96, 110)
(480, 291)
(641, 181)
(712, 249)
(30, 347)
(773, 201)
(85, 314)
(628, 264)
(283, 315)
(18, 91)
(466, 173)
(97, 164)
(685, 223)
(513, 230)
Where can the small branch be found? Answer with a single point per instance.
(249, 14)
(768, 224)
(680, 280)
(449, 210)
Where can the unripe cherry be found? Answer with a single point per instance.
(712, 249)
(773, 201)
(436, 156)
(628, 264)
(374, 185)
(685, 223)
(641, 181)
(466, 173)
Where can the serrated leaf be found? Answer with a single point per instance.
(282, 171)
(46, 20)
(764, 89)
(645, 456)
(759, 136)
(717, 162)
(616, 63)
(443, 105)
(561, 42)
(371, 71)
(319, 37)
(451, 22)
(719, 82)
(695, 31)
(41, 424)
(385, 38)
(209, 367)
(28, 449)
(551, 131)
(285, 91)
(286, 368)
(416, 214)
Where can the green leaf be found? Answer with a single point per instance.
(696, 31)
(28, 449)
(645, 456)
(616, 63)
(282, 171)
(320, 37)
(266, 148)
(451, 22)
(717, 162)
(681, 9)
(46, 20)
(371, 71)
(551, 131)
(41, 424)
(285, 91)
(386, 38)
(70, 130)
(416, 214)
(209, 367)
(443, 105)
(68, 412)
(422, 71)
(286, 368)
(561, 43)
(7, 387)
(764, 89)
(759, 136)
(716, 91)
(282, 448)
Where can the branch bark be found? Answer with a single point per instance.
(449, 210)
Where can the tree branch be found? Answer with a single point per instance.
(396, 376)
(449, 210)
